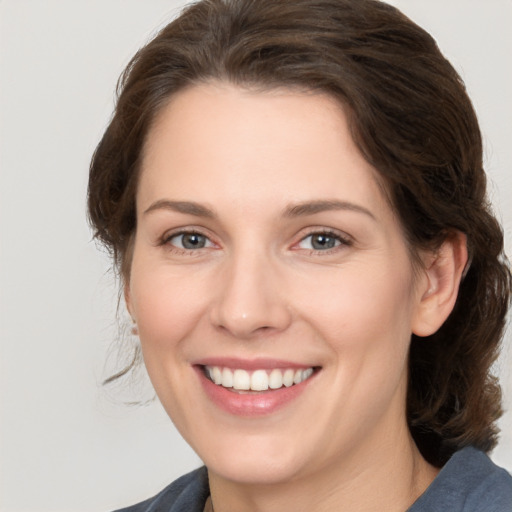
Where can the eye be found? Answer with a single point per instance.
(322, 241)
(189, 241)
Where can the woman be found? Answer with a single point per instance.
(293, 194)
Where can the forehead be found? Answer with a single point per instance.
(222, 141)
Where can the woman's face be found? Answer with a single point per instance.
(266, 252)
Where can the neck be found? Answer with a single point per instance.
(387, 475)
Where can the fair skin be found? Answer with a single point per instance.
(264, 242)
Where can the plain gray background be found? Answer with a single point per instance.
(67, 444)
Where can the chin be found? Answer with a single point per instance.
(253, 460)
(255, 470)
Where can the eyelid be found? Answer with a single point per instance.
(188, 230)
(344, 239)
(208, 242)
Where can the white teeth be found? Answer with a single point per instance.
(307, 373)
(227, 378)
(275, 379)
(259, 380)
(241, 380)
(288, 378)
(217, 375)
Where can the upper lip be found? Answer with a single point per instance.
(250, 364)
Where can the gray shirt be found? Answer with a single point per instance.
(469, 482)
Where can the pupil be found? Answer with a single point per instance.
(323, 242)
(193, 241)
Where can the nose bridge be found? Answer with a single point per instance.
(249, 300)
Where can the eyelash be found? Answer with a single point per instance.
(341, 240)
(166, 241)
(344, 241)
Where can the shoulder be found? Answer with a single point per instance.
(188, 494)
(469, 482)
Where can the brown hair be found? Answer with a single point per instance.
(412, 120)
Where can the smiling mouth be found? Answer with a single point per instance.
(240, 380)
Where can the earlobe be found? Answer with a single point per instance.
(443, 274)
(128, 301)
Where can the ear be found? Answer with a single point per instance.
(129, 307)
(439, 287)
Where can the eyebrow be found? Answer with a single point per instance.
(186, 207)
(294, 210)
(313, 207)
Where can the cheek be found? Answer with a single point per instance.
(166, 304)
(365, 323)
(167, 308)
(365, 305)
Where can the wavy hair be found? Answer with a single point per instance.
(412, 120)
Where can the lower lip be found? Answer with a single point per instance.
(251, 404)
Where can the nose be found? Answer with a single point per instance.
(251, 299)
